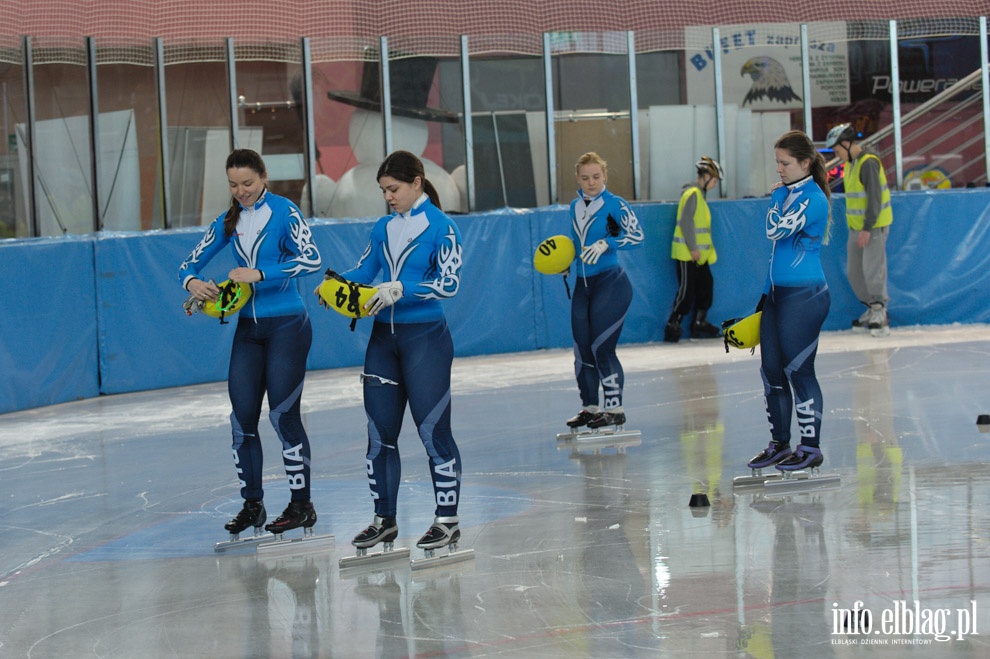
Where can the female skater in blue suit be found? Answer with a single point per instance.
(795, 303)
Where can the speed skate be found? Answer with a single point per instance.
(445, 532)
(236, 540)
(276, 543)
(605, 428)
(383, 531)
(308, 543)
(802, 480)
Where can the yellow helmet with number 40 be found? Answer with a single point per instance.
(554, 255)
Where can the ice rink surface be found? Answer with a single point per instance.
(111, 507)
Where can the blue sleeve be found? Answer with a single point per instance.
(369, 265)
(209, 246)
(630, 232)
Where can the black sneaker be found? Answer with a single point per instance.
(252, 514)
(603, 419)
(296, 514)
(704, 330)
(381, 529)
(581, 419)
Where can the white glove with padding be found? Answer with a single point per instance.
(593, 252)
(389, 292)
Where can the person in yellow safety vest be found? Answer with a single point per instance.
(869, 216)
(693, 252)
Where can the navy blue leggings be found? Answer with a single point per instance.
(410, 364)
(792, 320)
(269, 355)
(598, 310)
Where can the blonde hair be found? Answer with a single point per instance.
(591, 158)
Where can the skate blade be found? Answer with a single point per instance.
(370, 560)
(599, 435)
(242, 542)
(883, 331)
(807, 484)
(443, 560)
(755, 482)
(308, 544)
(596, 446)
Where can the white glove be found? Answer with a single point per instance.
(389, 293)
(593, 252)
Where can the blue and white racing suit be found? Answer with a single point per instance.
(602, 294)
(272, 338)
(410, 352)
(796, 304)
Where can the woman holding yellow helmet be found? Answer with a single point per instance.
(272, 245)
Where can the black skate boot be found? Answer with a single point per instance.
(252, 514)
(772, 454)
(296, 514)
(602, 419)
(382, 529)
(583, 417)
(804, 457)
(442, 533)
(672, 330)
(701, 328)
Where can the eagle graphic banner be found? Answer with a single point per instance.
(761, 65)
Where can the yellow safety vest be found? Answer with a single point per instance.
(702, 230)
(856, 195)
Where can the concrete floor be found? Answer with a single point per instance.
(111, 507)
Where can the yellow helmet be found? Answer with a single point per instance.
(554, 255)
(742, 333)
(345, 297)
(233, 296)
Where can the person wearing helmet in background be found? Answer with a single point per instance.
(602, 224)
(869, 216)
(693, 252)
(272, 245)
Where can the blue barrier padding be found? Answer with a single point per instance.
(121, 328)
(48, 346)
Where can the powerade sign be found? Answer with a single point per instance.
(926, 67)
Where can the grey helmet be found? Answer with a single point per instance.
(840, 133)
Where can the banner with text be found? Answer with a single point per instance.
(761, 66)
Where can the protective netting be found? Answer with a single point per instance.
(348, 29)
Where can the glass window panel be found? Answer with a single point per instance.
(508, 104)
(198, 113)
(129, 175)
(271, 119)
(13, 201)
(63, 185)
(591, 103)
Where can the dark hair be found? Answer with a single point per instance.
(240, 158)
(799, 145)
(405, 166)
